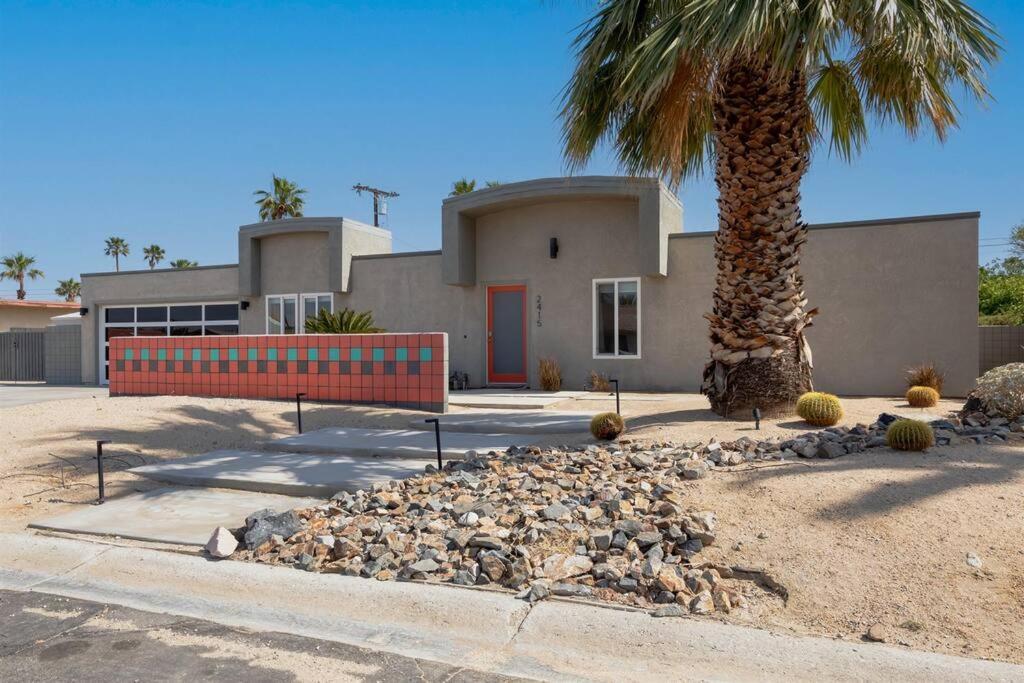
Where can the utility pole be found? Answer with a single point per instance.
(378, 195)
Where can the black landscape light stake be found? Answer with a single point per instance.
(757, 418)
(298, 409)
(616, 383)
(437, 438)
(99, 471)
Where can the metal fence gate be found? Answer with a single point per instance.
(22, 354)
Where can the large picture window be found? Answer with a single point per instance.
(617, 318)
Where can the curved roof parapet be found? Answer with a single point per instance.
(659, 214)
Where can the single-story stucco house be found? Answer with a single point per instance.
(31, 314)
(594, 272)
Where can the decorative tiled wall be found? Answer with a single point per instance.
(402, 370)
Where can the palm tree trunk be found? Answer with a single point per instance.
(117, 263)
(759, 357)
(21, 293)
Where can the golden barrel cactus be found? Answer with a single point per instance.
(819, 409)
(607, 426)
(910, 435)
(922, 397)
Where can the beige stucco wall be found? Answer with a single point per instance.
(292, 263)
(21, 316)
(193, 285)
(891, 294)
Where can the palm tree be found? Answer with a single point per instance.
(18, 267)
(154, 254)
(285, 201)
(492, 183)
(116, 247)
(183, 263)
(749, 86)
(462, 186)
(70, 289)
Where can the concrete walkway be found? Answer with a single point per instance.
(509, 399)
(290, 474)
(19, 394)
(489, 631)
(169, 515)
(514, 422)
(394, 443)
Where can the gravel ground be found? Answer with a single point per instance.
(873, 538)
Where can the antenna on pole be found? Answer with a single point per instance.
(380, 197)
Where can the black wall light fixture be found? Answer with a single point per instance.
(244, 305)
(83, 311)
(553, 247)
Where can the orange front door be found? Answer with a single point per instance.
(506, 334)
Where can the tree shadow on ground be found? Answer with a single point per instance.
(940, 473)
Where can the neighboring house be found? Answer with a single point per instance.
(24, 313)
(594, 272)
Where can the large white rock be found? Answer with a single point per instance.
(222, 543)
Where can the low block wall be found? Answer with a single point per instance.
(401, 370)
(999, 345)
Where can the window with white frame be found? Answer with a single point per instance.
(312, 304)
(285, 315)
(617, 318)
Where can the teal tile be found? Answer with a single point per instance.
(214, 354)
(378, 354)
(197, 354)
(311, 354)
(232, 354)
(271, 354)
(401, 353)
(145, 354)
(161, 354)
(333, 354)
(129, 354)
(179, 354)
(425, 353)
(356, 354)
(252, 354)
(293, 353)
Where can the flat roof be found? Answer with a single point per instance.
(873, 222)
(158, 270)
(28, 303)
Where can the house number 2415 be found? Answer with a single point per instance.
(540, 323)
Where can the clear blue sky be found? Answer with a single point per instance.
(156, 121)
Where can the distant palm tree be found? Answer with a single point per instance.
(183, 263)
(285, 201)
(154, 253)
(462, 186)
(747, 87)
(70, 289)
(18, 267)
(492, 183)
(116, 247)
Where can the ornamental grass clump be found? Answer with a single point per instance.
(922, 397)
(819, 409)
(1001, 391)
(550, 375)
(925, 375)
(909, 435)
(607, 426)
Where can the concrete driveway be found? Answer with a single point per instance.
(22, 393)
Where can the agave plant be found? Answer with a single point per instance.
(345, 321)
(747, 87)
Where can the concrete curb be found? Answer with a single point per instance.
(484, 630)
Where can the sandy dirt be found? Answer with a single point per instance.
(877, 537)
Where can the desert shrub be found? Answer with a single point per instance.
(925, 375)
(345, 321)
(819, 409)
(922, 397)
(909, 435)
(598, 382)
(607, 426)
(1001, 390)
(550, 375)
